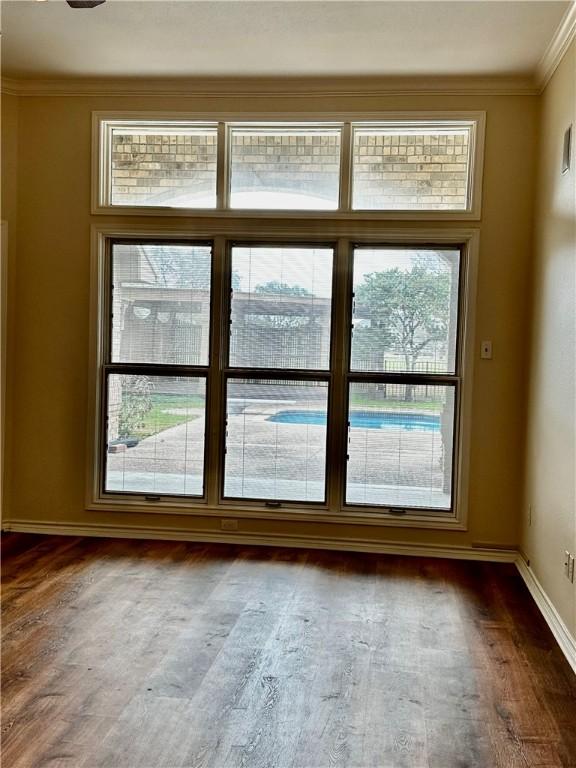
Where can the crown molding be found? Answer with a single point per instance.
(556, 49)
(310, 88)
(10, 87)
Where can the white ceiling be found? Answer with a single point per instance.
(183, 38)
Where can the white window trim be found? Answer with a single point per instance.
(218, 231)
(101, 181)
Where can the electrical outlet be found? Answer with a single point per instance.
(486, 350)
(567, 150)
(569, 565)
(229, 524)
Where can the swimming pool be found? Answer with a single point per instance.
(365, 419)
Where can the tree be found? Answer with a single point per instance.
(136, 403)
(283, 289)
(175, 271)
(278, 319)
(408, 311)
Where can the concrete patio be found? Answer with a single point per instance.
(269, 460)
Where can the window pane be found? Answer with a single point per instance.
(414, 169)
(281, 307)
(161, 304)
(405, 314)
(276, 440)
(400, 445)
(155, 440)
(164, 166)
(290, 168)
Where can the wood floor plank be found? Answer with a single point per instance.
(191, 655)
(147, 733)
(139, 654)
(280, 703)
(465, 744)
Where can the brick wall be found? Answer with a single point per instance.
(410, 171)
(157, 170)
(297, 163)
(413, 171)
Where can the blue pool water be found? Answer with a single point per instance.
(364, 419)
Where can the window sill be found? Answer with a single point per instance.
(251, 213)
(346, 516)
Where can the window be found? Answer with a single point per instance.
(285, 375)
(281, 307)
(285, 168)
(405, 312)
(415, 168)
(284, 352)
(155, 368)
(155, 434)
(410, 166)
(269, 455)
(161, 301)
(166, 165)
(401, 428)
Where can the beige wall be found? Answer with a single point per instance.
(9, 157)
(50, 332)
(8, 216)
(551, 434)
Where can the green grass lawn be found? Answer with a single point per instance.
(158, 417)
(177, 401)
(393, 405)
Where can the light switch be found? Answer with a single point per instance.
(486, 350)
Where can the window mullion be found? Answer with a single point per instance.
(337, 402)
(222, 173)
(216, 405)
(345, 202)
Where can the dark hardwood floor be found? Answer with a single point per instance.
(132, 654)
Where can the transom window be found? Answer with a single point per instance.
(401, 164)
(285, 374)
(285, 167)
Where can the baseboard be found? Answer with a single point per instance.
(274, 540)
(560, 631)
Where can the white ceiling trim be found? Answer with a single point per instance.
(269, 87)
(9, 87)
(557, 48)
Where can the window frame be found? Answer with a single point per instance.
(230, 126)
(255, 373)
(100, 193)
(433, 379)
(108, 367)
(213, 503)
(472, 169)
(292, 243)
(279, 374)
(104, 167)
